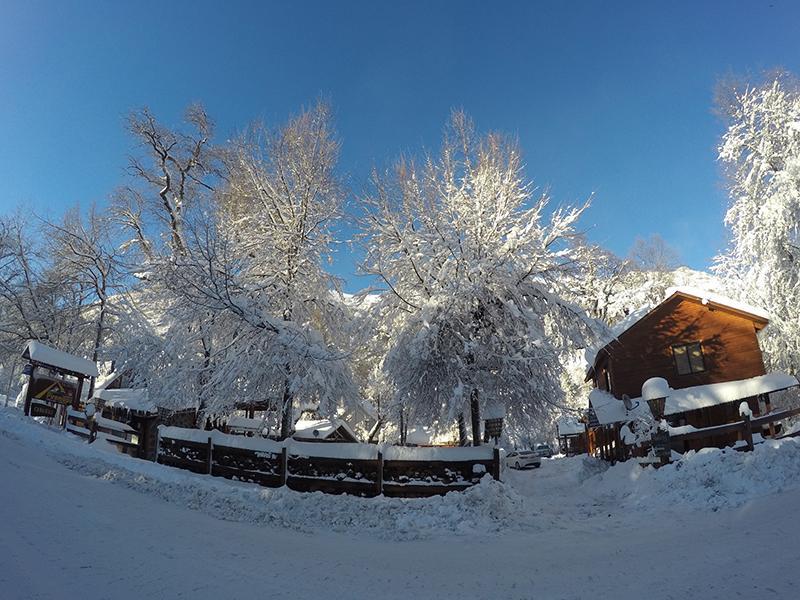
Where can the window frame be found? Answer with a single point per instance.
(691, 367)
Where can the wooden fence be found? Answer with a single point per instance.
(336, 468)
(744, 427)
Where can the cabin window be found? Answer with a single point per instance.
(689, 358)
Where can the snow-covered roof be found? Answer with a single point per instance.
(43, 354)
(569, 426)
(113, 425)
(428, 436)
(609, 409)
(711, 298)
(132, 399)
(238, 422)
(320, 429)
(102, 421)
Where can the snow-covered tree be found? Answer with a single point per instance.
(282, 198)
(471, 262)
(84, 252)
(760, 152)
(173, 175)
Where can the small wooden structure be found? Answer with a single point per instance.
(133, 407)
(571, 436)
(55, 381)
(121, 435)
(324, 430)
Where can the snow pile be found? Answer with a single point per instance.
(487, 507)
(557, 496)
(709, 479)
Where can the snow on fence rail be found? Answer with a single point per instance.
(359, 469)
(744, 427)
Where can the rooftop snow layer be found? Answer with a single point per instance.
(245, 423)
(41, 353)
(132, 399)
(609, 409)
(568, 426)
(324, 427)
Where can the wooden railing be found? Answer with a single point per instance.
(743, 427)
(336, 468)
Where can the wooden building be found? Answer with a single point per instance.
(705, 346)
(55, 381)
(324, 430)
(571, 436)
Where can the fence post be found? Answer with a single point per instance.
(379, 476)
(748, 431)
(768, 409)
(496, 463)
(209, 454)
(284, 466)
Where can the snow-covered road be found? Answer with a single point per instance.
(70, 532)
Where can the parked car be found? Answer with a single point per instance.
(543, 450)
(523, 459)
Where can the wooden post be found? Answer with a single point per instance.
(768, 409)
(209, 454)
(284, 466)
(29, 392)
(158, 442)
(496, 463)
(748, 431)
(76, 399)
(379, 476)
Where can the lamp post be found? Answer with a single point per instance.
(655, 391)
(657, 406)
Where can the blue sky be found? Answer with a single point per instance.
(610, 98)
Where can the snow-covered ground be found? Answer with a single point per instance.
(82, 522)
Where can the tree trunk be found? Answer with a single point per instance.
(373, 434)
(403, 430)
(463, 439)
(98, 338)
(475, 411)
(202, 380)
(286, 417)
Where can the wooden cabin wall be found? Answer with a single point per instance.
(729, 343)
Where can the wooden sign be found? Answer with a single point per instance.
(494, 427)
(42, 410)
(661, 444)
(50, 390)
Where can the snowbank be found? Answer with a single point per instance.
(564, 492)
(709, 479)
(487, 507)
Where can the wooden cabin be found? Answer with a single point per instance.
(705, 346)
(571, 436)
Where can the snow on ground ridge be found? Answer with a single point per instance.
(486, 508)
(563, 491)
